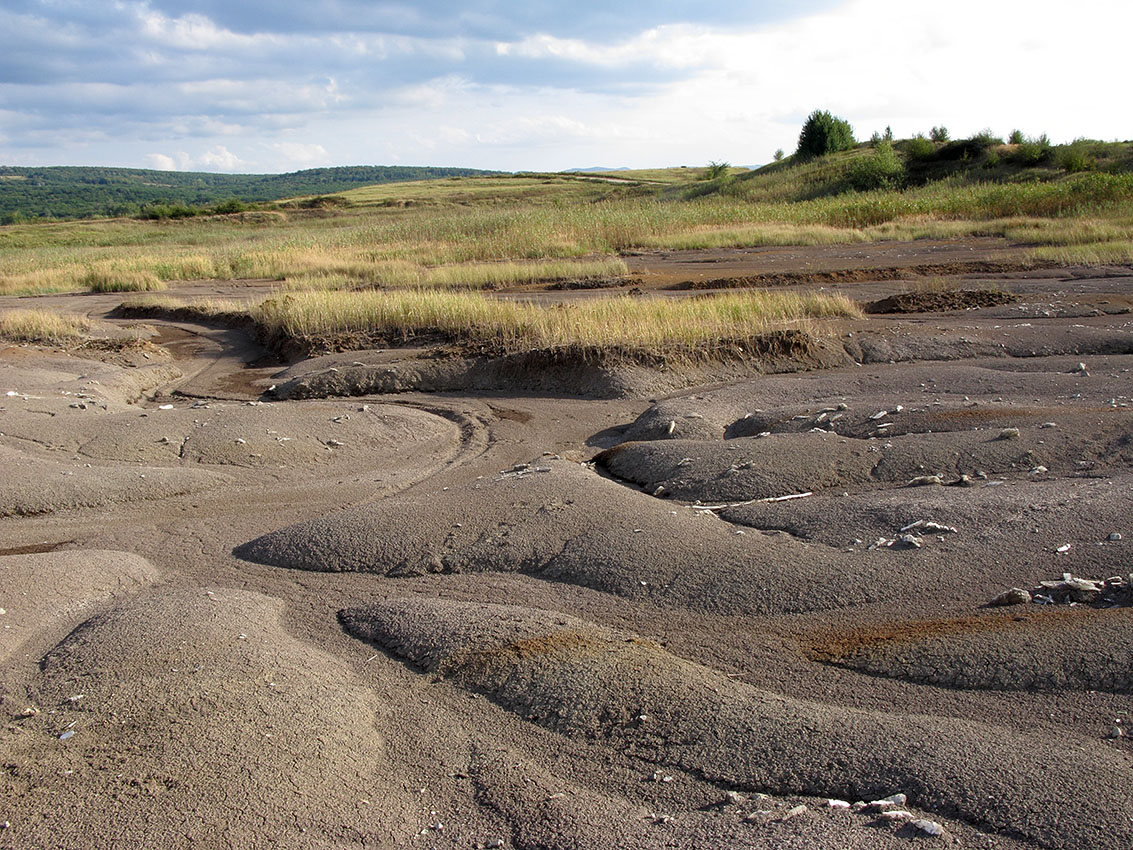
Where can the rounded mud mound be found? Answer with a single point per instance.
(190, 718)
(46, 593)
(561, 521)
(1069, 649)
(35, 484)
(588, 682)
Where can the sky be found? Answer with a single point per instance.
(269, 86)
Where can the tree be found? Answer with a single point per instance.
(823, 133)
(939, 134)
(778, 154)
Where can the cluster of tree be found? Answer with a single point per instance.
(84, 192)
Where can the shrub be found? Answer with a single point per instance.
(1076, 157)
(919, 147)
(778, 154)
(1016, 137)
(939, 134)
(1032, 151)
(882, 169)
(986, 138)
(715, 170)
(823, 133)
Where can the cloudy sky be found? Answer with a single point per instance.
(279, 85)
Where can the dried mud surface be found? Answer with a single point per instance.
(400, 601)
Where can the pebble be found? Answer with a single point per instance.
(897, 799)
(1009, 434)
(925, 481)
(911, 541)
(794, 812)
(70, 733)
(1014, 596)
(1114, 537)
(837, 804)
(897, 815)
(1115, 733)
(1039, 470)
(928, 827)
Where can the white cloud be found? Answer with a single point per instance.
(305, 155)
(161, 162)
(221, 158)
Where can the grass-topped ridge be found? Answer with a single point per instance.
(495, 326)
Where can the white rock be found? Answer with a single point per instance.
(837, 804)
(928, 827)
(899, 815)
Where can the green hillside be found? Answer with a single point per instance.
(918, 163)
(86, 192)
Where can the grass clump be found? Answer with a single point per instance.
(493, 325)
(114, 280)
(40, 325)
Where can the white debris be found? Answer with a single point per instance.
(165, 407)
(899, 815)
(70, 733)
(879, 414)
(928, 827)
(837, 804)
(1064, 548)
(1039, 470)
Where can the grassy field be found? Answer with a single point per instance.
(445, 239)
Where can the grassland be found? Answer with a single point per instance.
(427, 246)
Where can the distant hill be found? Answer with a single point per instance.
(88, 191)
(594, 169)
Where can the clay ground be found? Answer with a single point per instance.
(510, 618)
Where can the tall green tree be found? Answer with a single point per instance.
(824, 133)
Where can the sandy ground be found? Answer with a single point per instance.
(530, 606)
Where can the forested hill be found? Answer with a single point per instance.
(85, 191)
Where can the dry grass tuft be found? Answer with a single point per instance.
(40, 325)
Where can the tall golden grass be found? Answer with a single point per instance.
(40, 325)
(608, 322)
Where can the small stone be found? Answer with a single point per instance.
(734, 798)
(794, 812)
(1039, 470)
(1009, 434)
(1049, 425)
(1014, 596)
(837, 804)
(1114, 537)
(911, 541)
(70, 733)
(165, 407)
(897, 799)
(928, 827)
(898, 815)
(334, 444)
(1115, 733)
(1064, 548)
(1080, 368)
(925, 481)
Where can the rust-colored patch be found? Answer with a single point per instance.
(34, 548)
(837, 646)
(984, 414)
(520, 416)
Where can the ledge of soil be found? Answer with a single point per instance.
(577, 371)
(932, 302)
